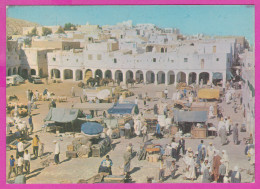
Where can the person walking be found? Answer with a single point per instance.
(182, 145)
(11, 166)
(166, 93)
(144, 133)
(20, 163)
(106, 166)
(30, 124)
(127, 130)
(215, 165)
(29, 107)
(221, 172)
(235, 134)
(236, 176)
(206, 178)
(27, 161)
(35, 144)
(127, 160)
(20, 148)
(57, 152)
(210, 152)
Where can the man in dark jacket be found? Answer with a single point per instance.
(182, 145)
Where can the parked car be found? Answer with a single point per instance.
(14, 80)
(35, 79)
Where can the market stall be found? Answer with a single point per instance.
(192, 123)
(64, 119)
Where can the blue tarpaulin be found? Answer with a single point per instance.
(91, 128)
(121, 109)
(217, 75)
(190, 116)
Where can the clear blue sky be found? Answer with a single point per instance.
(211, 20)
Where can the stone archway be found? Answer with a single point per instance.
(88, 74)
(108, 74)
(150, 77)
(171, 77)
(24, 73)
(14, 71)
(129, 75)
(98, 73)
(192, 78)
(68, 74)
(9, 72)
(33, 72)
(79, 75)
(181, 77)
(204, 77)
(55, 73)
(160, 77)
(139, 76)
(118, 76)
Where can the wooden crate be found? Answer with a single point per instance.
(71, 154)
(70, 147)
(96, 151)
(114, 179)
(199, 133)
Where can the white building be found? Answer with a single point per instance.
(188, 63)
(248, 89)
(12, 58)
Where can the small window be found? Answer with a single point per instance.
(90, 56)
(154, 59)
(99, 57)
(115, 60)
(67, 59)
(77, 60)
(172, 61)
(54, 59)
(185, 59)
(217, 59)
(214, 49)
(45, 55)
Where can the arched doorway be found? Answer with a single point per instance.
(139, 76)
(9, 72)
(162, 50)
(203, 77)
(40, 73)
(98, 73)
(88, 74)
(160, 77)
(129, 76)
(68, 74)
(55, 73)
(78, 75)
(25, 73)
(181, 77)
(150, 77)
(171, 77)
(14, 71)
(33, 72)
(118, 76)
(192, 78)
(19, 70)
(108, 74)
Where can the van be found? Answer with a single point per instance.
(14, 80)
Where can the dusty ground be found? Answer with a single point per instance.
(70, 171)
